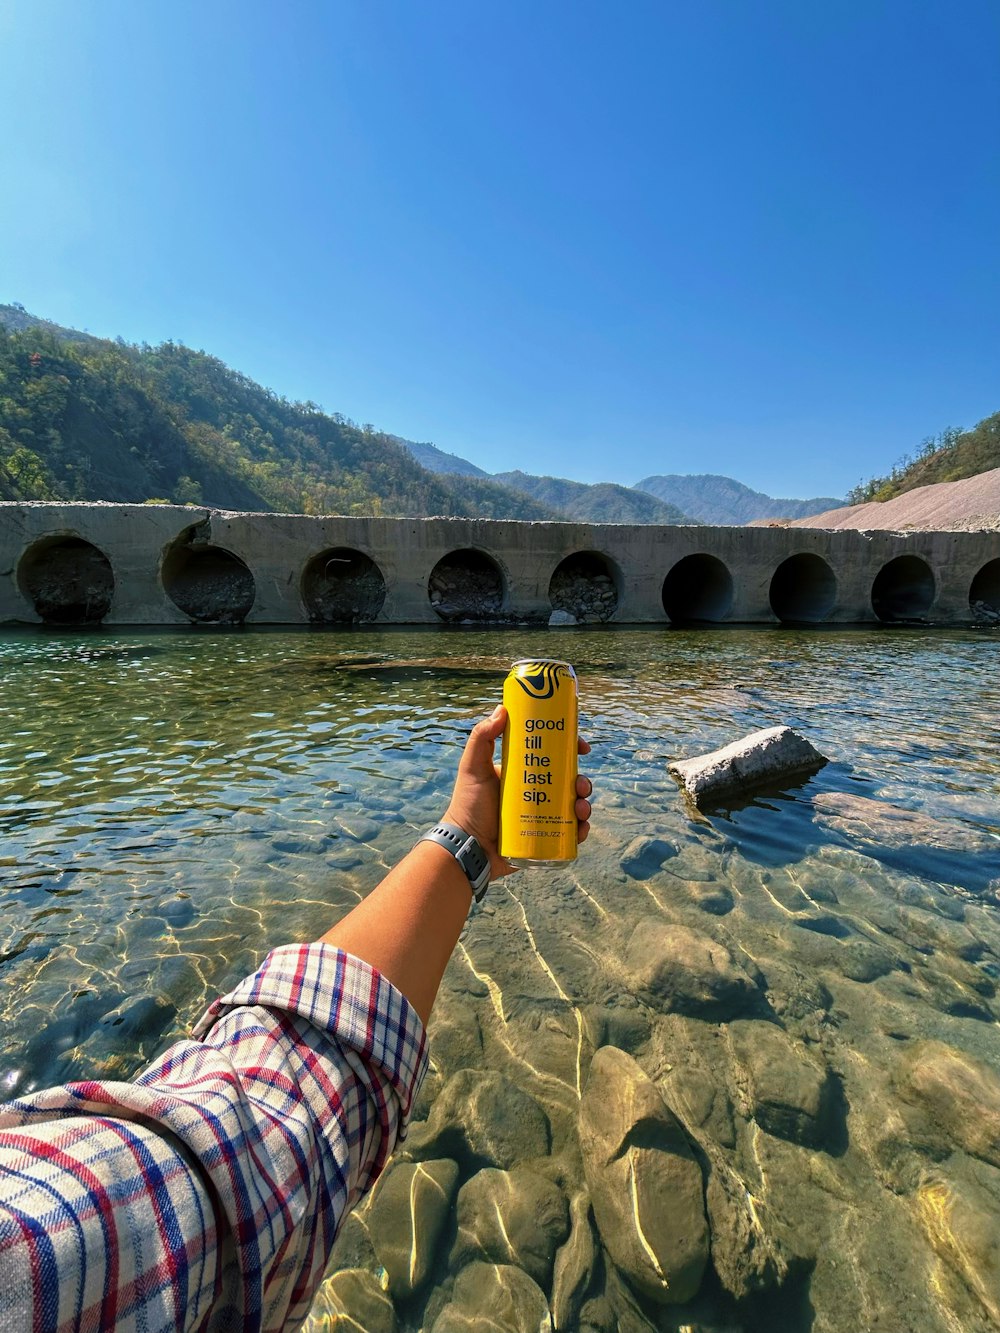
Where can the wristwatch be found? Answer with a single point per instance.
(466, 851)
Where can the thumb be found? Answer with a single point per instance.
(477, 758)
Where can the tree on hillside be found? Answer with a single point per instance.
(86, 418)
(950, 456)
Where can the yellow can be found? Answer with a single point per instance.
(539, 764)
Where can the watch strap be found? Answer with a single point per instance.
(467, 851)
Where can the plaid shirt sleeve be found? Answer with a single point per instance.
(206, 1194)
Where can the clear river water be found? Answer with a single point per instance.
(174, 803)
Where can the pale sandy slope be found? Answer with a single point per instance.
(947, 506)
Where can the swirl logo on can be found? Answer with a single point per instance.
(539, 764)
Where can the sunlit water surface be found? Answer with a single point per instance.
(175, 803)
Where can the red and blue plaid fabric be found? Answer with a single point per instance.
(207, 1194)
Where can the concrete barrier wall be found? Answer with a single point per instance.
(166, 564)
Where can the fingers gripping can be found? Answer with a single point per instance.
(538, 764)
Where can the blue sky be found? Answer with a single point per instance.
(755, 237)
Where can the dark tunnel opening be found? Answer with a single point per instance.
(585, 586)
(209, 584)
(466, 585)
(342, 586)
(699, 588)
(903, 589)
(803, 589)
(68, 581)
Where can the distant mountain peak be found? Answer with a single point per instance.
(603, 502)
(125, 422)
(671, 500)
(715, 499)
(600, 502)
(436, 460)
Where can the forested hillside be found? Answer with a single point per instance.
(715, 499)
(83, 418)
(603, 502)
(951, 456)
(436, 460)
(600, 502)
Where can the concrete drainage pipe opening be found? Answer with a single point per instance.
(698, 588)
(903, 589)
(585, 585)
(984, 594)
(67, 580)
(803, 589)
(466, 585)
(210, 585)
(342, 587)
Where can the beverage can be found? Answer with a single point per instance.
(538, 764)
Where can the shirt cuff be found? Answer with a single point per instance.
(343, 997)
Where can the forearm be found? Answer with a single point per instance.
(296, 1087)
(408, 926)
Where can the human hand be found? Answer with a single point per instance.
(475, 801)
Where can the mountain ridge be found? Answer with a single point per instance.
(684, 499)
(88, 418)
(437, 460)
(85, 418)
(715, 499)
(597, 502)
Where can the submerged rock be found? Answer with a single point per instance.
(679, 970)
(959, 1219)
(879, 823)
(482, 1119)
(788, 1093)
(645, 1185)
(700, 1103)
(794, 994)
(178, 910)
(454, 1032)
(644, 856)
(511, 1217)
(407, 1218)
(353, 1247)
(715, 899)
(745, 1254)
(598, 1316)
(761, 759)
(574, 1266)
(959, 1093)
(141, 1019)
(354, 1298)
(854, 958)
(949, 995)
(494, 1298)
(927, 931)
(608, 1025)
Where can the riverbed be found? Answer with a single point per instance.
(174, 803)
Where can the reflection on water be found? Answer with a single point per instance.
(808, 979)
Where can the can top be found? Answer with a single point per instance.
(540, 676)
(541, 661)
